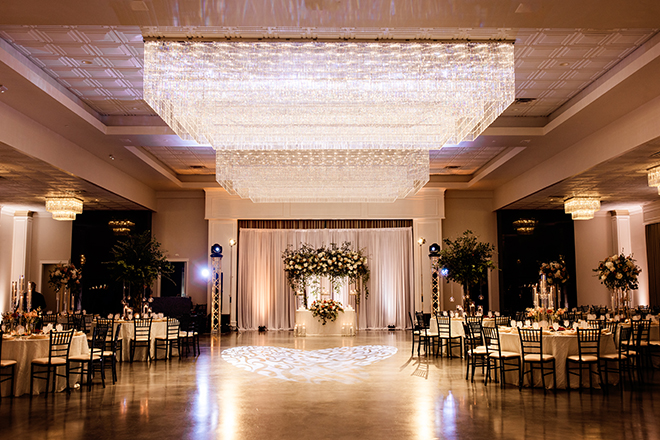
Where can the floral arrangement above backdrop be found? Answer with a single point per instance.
(65, 275)
(618, 272)
(555, 272)
(326, 310)
(336, 263)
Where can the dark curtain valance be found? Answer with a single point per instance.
(323, 224)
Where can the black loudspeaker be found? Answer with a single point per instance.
(224, 324)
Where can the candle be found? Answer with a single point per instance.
(28, 305)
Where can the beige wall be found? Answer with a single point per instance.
(180, 227)
(6, 236)
(593, 243)
(50, 243)
(471, 210)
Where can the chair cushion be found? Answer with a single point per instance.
(505, 355)
(53, 361)
(585, 358)
(613, 356)
(656, 343)
(7, 363)
(108, 353)
(141, 339)
(478, 350)
(83, 357)
(535, 357)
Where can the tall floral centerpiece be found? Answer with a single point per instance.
(337, 263)
(556, 275)
(65, 279)
(138, 261)
(619, 274)
(467, 261)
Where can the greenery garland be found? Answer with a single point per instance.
(333, 262)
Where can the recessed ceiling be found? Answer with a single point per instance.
(563, 51)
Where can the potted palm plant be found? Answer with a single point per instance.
(467, 262)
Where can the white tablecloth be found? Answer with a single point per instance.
(560, 346)
(315, 327)
(158, 330)
(24, 350)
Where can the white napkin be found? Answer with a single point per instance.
(607, 316)
(110, 316)
(535, 325)
(490, 314)
(497, 313)
(59, 327)
(48, 328)
(520, 324)
(117, 316)
(566, 323)
(555, 326)
(444, 313)
(575, 326)
(528, 322)
(513, 323)
(636, 318)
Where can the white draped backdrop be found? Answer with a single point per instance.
(264, 295)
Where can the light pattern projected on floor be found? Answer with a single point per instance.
(340, 364)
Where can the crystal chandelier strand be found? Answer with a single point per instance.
(322, 175)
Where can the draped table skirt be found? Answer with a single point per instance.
(314, 326)
(24, 350)
(559, 345)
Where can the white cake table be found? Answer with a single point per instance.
(315, 327)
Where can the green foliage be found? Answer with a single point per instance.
(467, 260)
(138, 260)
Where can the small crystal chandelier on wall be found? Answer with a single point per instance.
(359, 106)
(64, 208)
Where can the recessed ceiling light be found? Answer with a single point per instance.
(111, 157)
(564, 64)
(3, 89)
(86, 62)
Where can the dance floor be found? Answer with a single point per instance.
(275, 386)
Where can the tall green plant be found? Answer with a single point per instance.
(139, 260)
(467, 261)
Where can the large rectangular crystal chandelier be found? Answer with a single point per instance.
(273, 97)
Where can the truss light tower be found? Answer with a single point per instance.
(216, 287)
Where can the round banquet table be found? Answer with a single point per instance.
(560, 345)
(315, 327)
(24, 349)
(158, 330)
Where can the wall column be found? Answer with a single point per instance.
(21, 245)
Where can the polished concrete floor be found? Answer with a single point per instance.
(254, 391)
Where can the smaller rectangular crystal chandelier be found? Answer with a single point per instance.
(582, 208)
(654, 178)
(64, 208)
(309, 176)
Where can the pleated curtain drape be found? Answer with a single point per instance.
(264, 295)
